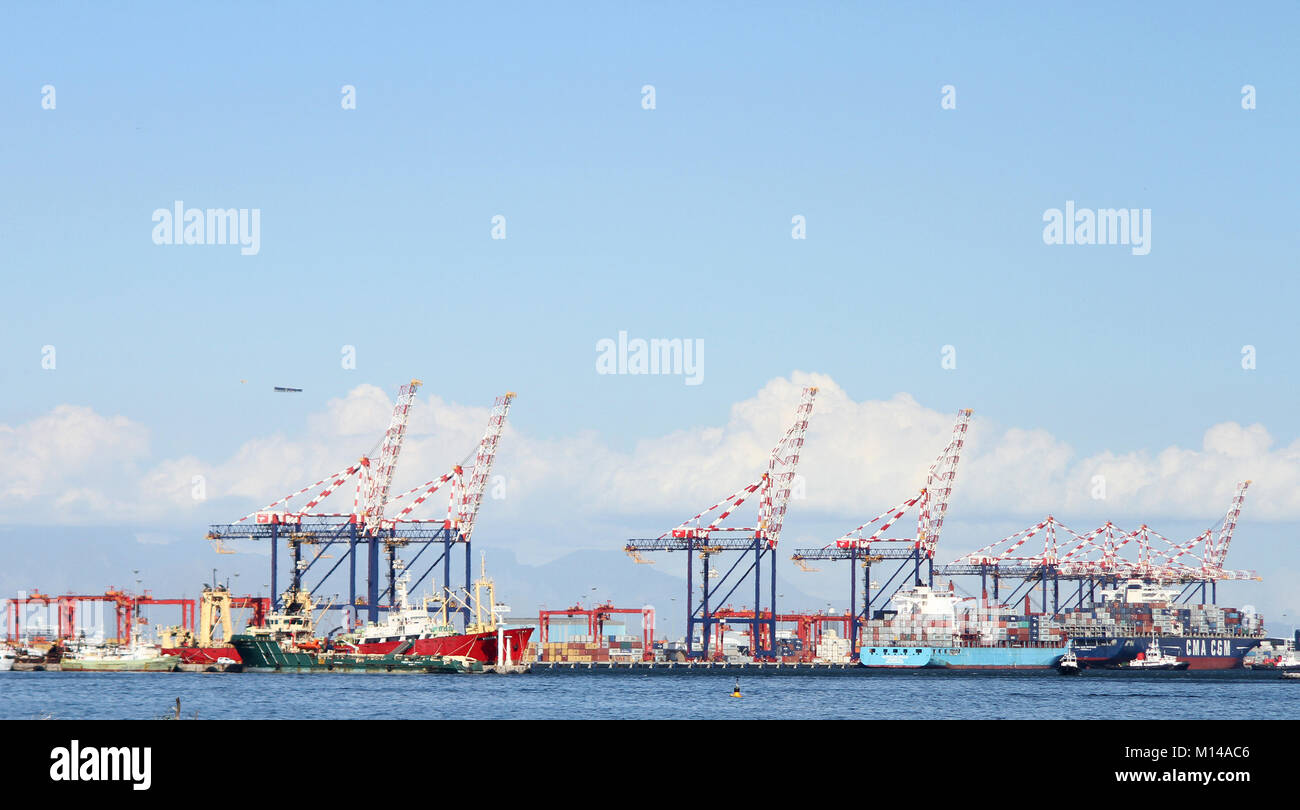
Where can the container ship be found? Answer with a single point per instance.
(931, 628)
(1140, 616)
(1135, 621)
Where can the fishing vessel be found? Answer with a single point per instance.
(429, 630)
(287, 643)
(136, 657)
(261, 653)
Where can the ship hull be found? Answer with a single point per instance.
(206, 656)
(1034, 657)
(896, 657)
(477, 646)
(1207, 653)
(166, 663)
(923, 657)
(265, 655)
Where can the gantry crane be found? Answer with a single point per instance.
(368, 524)
(772, 491)
(1094, 558)
(861, 549)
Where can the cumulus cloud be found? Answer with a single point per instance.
(861, 457)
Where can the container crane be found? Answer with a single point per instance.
(862, 549)
(772, 492)
(368, 524)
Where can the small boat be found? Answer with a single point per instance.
(1154, 658)
(1068, 664)
(7, 659)
(1287, 661)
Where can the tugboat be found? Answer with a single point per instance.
(1069, 663)
(287, 644)
(1154, 658)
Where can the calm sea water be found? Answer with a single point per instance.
(697, 695)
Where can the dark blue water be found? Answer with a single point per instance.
(610, 695)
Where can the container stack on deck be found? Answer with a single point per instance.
(1004, 629)
(1119, 619)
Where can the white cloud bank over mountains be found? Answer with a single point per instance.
(74, 465)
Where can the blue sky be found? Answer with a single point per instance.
(924, 225)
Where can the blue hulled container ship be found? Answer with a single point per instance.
(930, 629)
(1009, 656)
(933, 628)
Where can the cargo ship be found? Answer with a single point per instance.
(930, 629)
(1139, 617)
(427, 629)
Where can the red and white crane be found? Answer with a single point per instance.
(377, 478)
(374, 479)
(932, 502)
(773, 488)
(465, 498)
(1097, 553)
(706, 535)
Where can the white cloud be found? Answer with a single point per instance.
(74, 465)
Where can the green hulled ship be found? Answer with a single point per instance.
(286, 643)
(264, 654)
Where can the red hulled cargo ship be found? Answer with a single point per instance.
(427, 629)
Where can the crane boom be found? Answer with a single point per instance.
(938, 486)
(472, 496)
(781, 468)
(1219, 550)
(378, 477)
